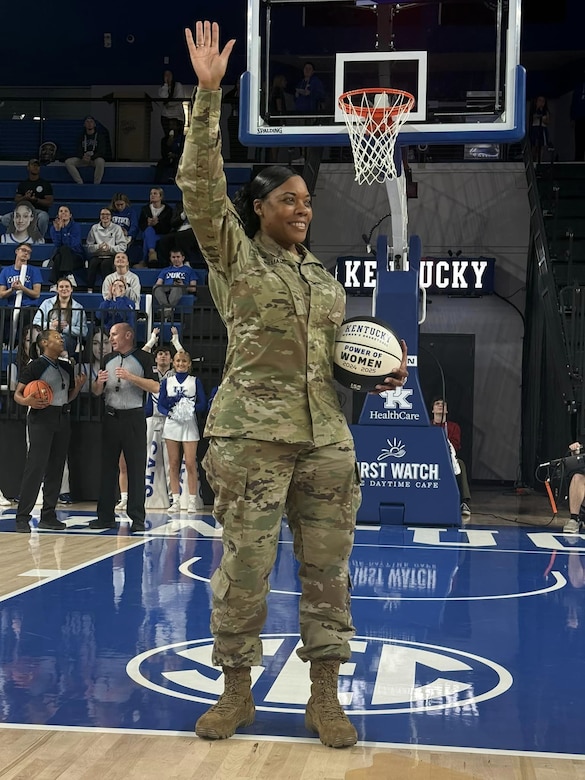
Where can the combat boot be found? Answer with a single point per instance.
(234, 708)
(324, 713)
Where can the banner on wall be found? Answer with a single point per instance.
(460, 276)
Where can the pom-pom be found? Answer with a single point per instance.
(183, 410)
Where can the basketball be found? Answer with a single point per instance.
(39, 389)
(366, 351)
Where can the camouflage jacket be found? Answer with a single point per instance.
(281, 310)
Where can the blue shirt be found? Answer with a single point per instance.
(184, 274)
(33, 276)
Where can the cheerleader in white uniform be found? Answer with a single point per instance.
(180, 398)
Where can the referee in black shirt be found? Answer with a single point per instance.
(48, 431)
(127, 374)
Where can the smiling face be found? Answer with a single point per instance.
(286, 213)
(23, 216)
(64, 290)
(105, 217)
(182, 362)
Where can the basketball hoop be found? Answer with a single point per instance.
(373, 118)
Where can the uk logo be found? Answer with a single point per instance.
(397, 398)
(384, 676)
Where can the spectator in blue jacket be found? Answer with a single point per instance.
(173, 282)
(68, 255)
(118, 308)
(124, 215)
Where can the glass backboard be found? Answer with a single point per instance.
(459, 60)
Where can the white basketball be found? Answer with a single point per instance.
(366, 351)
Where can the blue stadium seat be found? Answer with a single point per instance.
(40, 252)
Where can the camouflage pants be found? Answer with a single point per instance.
(255, 483)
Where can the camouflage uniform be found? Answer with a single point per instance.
(279, 441)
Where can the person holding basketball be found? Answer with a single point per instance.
(279, 442)
(48, 430)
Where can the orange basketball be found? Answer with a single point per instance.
(39, 389)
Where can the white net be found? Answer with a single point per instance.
(373, 119)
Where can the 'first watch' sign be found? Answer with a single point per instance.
(446, 275)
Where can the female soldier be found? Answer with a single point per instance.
(279, 440)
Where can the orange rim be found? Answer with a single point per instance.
(376, 114)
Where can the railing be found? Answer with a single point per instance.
(200, 330)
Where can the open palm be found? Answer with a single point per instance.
(208, 62)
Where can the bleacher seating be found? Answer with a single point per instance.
(85, 201)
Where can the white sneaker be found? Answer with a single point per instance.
(53, 288)
(175, 508)
(72, 280)
(122, 505)
(465, 510)
(192, 506)
(571, 527)
(4, 501)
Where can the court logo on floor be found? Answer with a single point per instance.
(384, 676)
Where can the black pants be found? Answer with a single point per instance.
(184, 240)
(48, 435)
(123, 431)
(63, 262)
(99, 264)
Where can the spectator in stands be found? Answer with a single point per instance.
(122, 271)
(118, 307)
(171, 148)
(37, 191)
(64, 314)
(68, 256)
(154, 221)
(181, 237)
(10, 279)
(310, 92)
(103, 242)
(173, 282)
(92, 150)
(539, 118)
(124, 215)
(172, 93)
(23, 227)
(453, 431)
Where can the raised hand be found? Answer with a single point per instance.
(208, 62)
